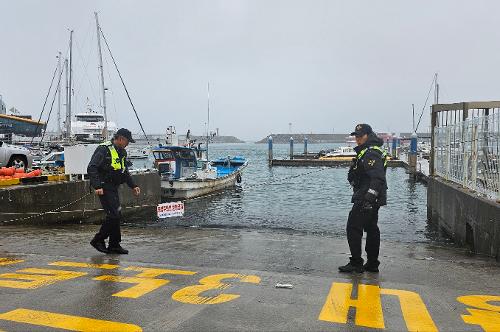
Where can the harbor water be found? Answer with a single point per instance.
(309, 200)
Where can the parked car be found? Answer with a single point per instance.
(17, 156)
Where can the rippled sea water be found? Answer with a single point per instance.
(318, 202)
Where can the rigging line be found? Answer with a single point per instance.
(426, 100)
(112, 90)
(85, 70)
(51, 107)
(44, 104)
(124, 86)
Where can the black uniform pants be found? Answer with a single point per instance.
(362, 220)
(110, 202)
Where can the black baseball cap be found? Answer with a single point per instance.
(361, 130)
(125, 133)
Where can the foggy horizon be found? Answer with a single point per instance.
(322, 66)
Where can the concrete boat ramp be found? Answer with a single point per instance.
(225, 279)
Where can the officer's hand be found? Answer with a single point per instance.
(367, 206)
(370, 197)
(99, 192)
(137, 191)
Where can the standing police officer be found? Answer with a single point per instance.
(107, 170)
(367, 177)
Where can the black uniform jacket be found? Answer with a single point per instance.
(102, 175)
(368, 172)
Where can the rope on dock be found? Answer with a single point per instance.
(44, 213)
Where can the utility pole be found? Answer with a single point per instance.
(59, 69)
(101, 71)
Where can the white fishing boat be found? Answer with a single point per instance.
(183, 176)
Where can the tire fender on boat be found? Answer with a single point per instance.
(238, 178)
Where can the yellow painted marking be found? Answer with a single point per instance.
(144, 285)
(415, 313)
(368, 305)
(191, 294)
(67, 322)
(44, 277)
(488, 320)
(480, 301)
(9, 261)
(85, 265)
(153, 273)
(487, 315)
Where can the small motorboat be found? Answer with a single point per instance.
(343, 152)
(185, 175)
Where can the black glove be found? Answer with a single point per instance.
(370, 197)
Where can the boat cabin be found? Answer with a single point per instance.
(175, 161)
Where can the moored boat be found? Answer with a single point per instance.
(184, 176)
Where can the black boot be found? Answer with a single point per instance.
(117, 250)
(352, 266)
(99, 245)
(371, 266)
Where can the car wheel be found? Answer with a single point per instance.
(17, 162)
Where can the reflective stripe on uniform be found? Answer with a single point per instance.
(116, 163)
(384, 154)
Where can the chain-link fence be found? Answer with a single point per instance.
(466, 146)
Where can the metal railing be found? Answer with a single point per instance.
(466, 146)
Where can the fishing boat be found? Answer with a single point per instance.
(185, 176)
(90, 126)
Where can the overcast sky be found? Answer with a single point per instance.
(321, 65)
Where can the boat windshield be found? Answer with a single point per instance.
(89, 118)
(185, 154)
(163, 155)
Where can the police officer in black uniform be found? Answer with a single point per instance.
(107, 171)
(367, 177)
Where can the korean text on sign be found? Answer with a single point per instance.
(168, 210)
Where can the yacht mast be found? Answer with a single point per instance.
(98, 28)
(59, 68)
(208, 116)
(69, 87)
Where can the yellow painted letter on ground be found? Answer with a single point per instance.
(153, 273)
(66, 322)
(486, 315)
(9, 261)
(26, 279)
(415, 313)
(192, 294)
(144, 285)
(85, 265)
(368, 305)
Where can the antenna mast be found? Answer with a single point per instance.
(101, 71)
(208, 115)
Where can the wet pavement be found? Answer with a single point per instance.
(225, 279)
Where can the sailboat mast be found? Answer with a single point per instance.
(208, 116)
(68, 85)
(59, 69)
(101, 71)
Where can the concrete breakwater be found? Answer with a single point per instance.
(71, 201)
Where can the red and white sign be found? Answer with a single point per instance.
(168, 210)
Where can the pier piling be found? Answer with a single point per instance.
(412, 156)
(291, 148)
(305, 146)
(270, 149)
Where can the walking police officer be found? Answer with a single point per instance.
(367, 177)
(107, 171)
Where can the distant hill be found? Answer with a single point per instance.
(311, 138)
(321, 138)
(219, 139)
